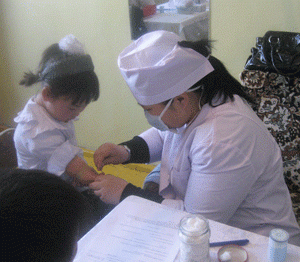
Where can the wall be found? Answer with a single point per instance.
(235, 24)
(28, 27)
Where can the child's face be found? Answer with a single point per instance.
(63, 110)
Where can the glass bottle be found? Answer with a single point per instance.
(194, 236)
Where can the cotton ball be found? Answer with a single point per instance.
(225, 256)
(195, 224)
(71, 45)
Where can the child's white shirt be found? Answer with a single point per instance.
(42, 142)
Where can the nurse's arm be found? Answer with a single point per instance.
(219, 184)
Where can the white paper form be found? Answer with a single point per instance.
(136, 230)
(151, 223)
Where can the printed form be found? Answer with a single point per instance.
(136, 230)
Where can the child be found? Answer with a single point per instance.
(45, 135)
(41, 217)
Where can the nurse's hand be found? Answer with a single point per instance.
(110, 154)
(109, 188)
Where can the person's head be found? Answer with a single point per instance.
(218, 85)
(68, 80)
(41, 217)
(172, 79)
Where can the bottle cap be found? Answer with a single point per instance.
(279, 235)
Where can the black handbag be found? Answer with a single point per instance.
(276, 52)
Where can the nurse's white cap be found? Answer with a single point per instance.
(156, 68)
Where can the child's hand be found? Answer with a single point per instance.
(81, 172)
(87, 176)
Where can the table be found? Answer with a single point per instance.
(256, 248)
(105, 242)
(190, 27)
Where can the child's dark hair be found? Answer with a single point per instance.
(41, 216)
(70, 75)
(219, 83)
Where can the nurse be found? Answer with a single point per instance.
(217, 157)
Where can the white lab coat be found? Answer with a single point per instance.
(227, 167)
(42, 142)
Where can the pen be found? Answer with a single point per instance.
(241, 242)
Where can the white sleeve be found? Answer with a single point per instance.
(173, 203)
(220, 179)
(154, 140)
(62, 156)
(53, 147)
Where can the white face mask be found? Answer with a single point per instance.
(156, 121)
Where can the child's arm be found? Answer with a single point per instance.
(81, 171)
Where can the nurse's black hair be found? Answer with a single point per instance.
(68, 75)
(219, 83)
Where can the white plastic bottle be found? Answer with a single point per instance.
(194, 234)
(278, 241)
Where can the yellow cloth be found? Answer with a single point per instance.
(132, 173)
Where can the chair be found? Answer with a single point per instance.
(278, 104)
(8, 154)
